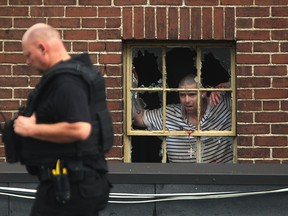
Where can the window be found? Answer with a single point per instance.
(181, 124)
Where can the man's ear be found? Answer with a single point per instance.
(203, 94)
(42, 48)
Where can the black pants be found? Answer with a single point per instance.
(88, 197)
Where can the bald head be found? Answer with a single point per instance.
(188, 80)
(43, 47)
(41, 31)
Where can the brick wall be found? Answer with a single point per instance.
(259, 27)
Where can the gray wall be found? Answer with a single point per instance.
(267, 204)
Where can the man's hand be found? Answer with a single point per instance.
(216, 95)
(24, 125)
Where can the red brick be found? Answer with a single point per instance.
(271, 94)
(244, 71)
(62, 2)
(12, 58)
(113, 82)
(81, 12)
(270, 70)
(149, 23)
(284, 105)
(279, 12)
(115, 105)
(229, 23)
(138, 23)
(93, 22)
(201, 2)
(64, 23)
(218, 23)
(6, 22)
(127, 23)
(244, 47)
(80, 35)
(114, 94)
(109, 34)
(80, 46)
(249, 105)
(253, 12)
(271, 23)
(129, 2)
(271, 2)
(11, 34)
(271, 141)
(21, 93)
(184, 24)
(283, 46)
(280, 129)
(47, 11)
(271, 117)
(94, 2)
(279, 35)
(25, 2)
(196, 24)
(280, 58)
(12, 46)
(254, 153)
(109, 12)
(266, 47)
(280, 153)
(15, 11)
(110, 59)
(112, 70)
(207, 23)
(9, 105)
(253, 129)
(26, 23)
(161, 23)
(244, 94)
(244, 23)
(24, 70)
(280, 82)
(253, 59)
(245, 117)
(6, 93)
(253, 35)
(253, 83)
(5, 70)
(271, 105)
(172, 23)
(244, 140)
(166, 2)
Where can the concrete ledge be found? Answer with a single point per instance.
(156, 173)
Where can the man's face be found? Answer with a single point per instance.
(34, 55)
(188, 99)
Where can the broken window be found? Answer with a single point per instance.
(180, 103)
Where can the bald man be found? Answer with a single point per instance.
(60, 123)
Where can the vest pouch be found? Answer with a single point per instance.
(12, 142)
(106, 130)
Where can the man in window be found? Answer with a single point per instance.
(214, 115)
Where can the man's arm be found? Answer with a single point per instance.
(62, 132)
(216, 95)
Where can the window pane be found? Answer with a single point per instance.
(146, 149)
(182, 115)
(152, 104)
(217, 149)
(182, 149)
(180, 61)
(216, 116)
(147, 65)
(216, 66)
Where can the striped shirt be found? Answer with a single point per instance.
(184, 148)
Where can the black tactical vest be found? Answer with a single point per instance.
(37, 152)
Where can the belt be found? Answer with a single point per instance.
(45, 174)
